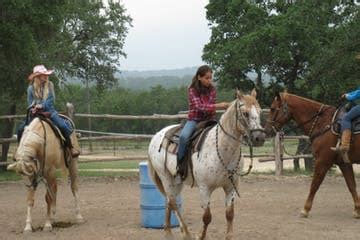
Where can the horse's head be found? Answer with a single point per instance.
(279, 114)
(248, 114)
(27, 153)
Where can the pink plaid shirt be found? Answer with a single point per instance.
(201, 107)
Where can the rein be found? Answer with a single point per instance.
(234, 171)
(38, 176)
(314, 119)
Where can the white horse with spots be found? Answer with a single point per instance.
(218, 161)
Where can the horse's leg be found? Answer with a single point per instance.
(50, 198)
(73, 171)
(229, 213)
(30, 202)
(167, 224)
(183, 226)
(205, 194)
(172, 190)
(348, 172)
(321, 168)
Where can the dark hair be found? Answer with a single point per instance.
(196, 84)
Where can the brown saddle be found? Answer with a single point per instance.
(339, 114)
(171, 142)
(45, 116)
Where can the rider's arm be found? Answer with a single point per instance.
(354, 95)
(30, 97)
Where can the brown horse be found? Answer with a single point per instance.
(315, 119)
(38, 156)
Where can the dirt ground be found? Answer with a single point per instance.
(268, 209)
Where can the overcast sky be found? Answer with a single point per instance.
(166, 34)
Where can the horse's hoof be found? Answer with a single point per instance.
(169, 236)
(47, 228)
(198, 236)
(187, 237)
(356, 214)
(27, 230)
(304, 214)
(79, 219)
(229, 237)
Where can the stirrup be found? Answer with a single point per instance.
(345, 157)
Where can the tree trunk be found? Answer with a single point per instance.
(7, 133)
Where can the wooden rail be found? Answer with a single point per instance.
(277, 156)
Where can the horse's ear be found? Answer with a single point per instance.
(253, 93)
(239, 93)
(278, 97)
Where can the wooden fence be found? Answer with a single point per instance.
(278, 148)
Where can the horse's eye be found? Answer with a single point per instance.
(246, 114)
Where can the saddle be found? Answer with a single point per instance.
(45, 116)
(171, 143)
(339, 114)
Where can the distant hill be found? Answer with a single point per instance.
(143, 80)
(181, 72)
(169, 78)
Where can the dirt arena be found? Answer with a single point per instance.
(268, 209)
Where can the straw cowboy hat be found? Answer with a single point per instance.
(39, 70)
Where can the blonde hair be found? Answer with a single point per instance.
(39, 92)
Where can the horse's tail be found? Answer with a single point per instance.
(155, 177)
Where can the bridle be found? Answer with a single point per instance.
(314, 119)
(276, 126)
(38, 173)
(241, 119)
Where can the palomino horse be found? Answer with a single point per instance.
(315, 119)
(38, 156)
(217, 164)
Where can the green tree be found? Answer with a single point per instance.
(77, 38)
(284, 39)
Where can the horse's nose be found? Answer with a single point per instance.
(258, 137)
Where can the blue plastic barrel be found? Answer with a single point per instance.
(152, 202)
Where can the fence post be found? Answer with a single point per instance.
(278, 155)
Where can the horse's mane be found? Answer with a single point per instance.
(285, 95)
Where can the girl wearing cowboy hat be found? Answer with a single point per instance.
(41, 97)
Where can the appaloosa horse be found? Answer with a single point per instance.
(217, 164)
(315, 119)
(38, 156)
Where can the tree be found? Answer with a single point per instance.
(285, 39)
(77, 38)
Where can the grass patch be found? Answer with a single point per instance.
(9, 176)
(107, 174)
(111, 165)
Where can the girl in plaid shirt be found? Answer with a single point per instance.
(202, 107)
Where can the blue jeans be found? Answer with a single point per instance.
(349, 116)
(185, 135)
(64, 126)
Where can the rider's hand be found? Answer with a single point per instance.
(223, 105)
(343, 96)
(38, 106)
